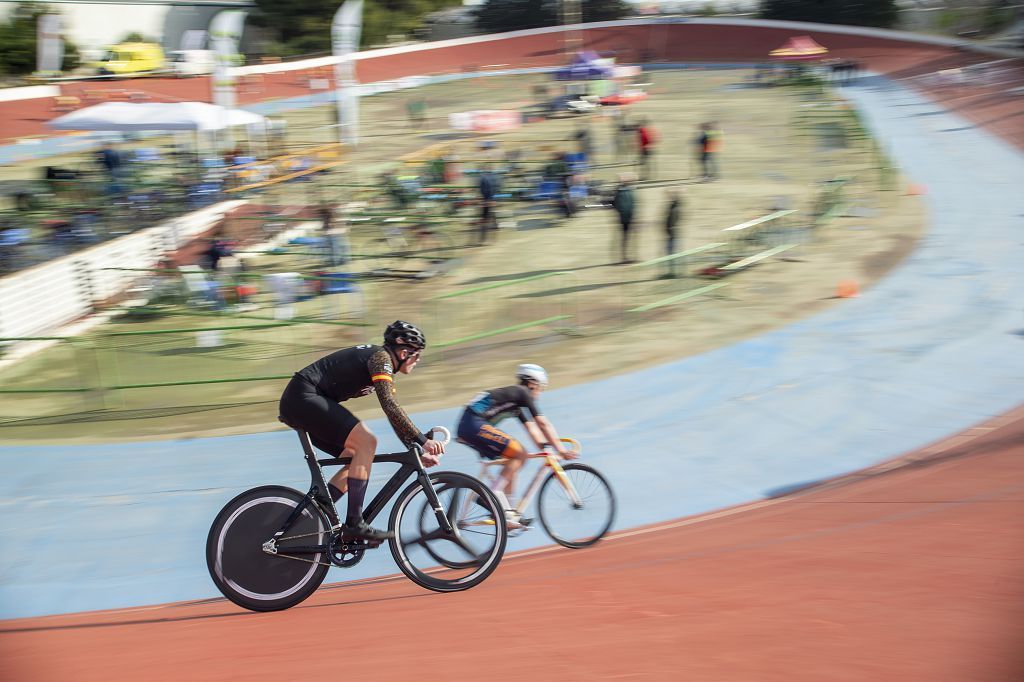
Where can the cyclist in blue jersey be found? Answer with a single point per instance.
(310, 402)
(477, 428)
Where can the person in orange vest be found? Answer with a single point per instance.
(646, 136)
(709, 143)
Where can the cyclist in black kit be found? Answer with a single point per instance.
(477, 428)
(310, 402)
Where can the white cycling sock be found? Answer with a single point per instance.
(502, 500)
(498, 486)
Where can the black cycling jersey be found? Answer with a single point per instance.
(508, 401)
(358, 371)
(344, 373)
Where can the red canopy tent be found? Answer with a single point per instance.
(799, 48)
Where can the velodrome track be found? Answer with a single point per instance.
(932, 349)
(908, 572)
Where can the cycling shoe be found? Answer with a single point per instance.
(513, 521)
(363, 531)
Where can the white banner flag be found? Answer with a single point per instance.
(345, 32)
(49, 44)
(347, 27)
(194, 39)
(225, 32)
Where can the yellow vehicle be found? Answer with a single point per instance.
(129, 59)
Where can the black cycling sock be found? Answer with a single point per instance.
(356, 494)
(335, 492)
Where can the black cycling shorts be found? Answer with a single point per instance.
(489, 441)
(327, 422)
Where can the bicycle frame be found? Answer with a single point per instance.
(551, 461)
(318, 496)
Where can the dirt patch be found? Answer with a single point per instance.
(875, 265)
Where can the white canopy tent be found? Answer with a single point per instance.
(195, 117)
(131, 116)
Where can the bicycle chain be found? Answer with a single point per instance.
(308, 561)
(304, 535)
(298, 558)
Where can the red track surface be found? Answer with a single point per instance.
(908, 571)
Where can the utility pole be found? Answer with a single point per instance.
(572, 40)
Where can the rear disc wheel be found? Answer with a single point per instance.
(241, 567)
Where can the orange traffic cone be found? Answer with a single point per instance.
(916, 189)
(848, 288)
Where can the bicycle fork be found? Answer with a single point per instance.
(563, 478)
(435, 504)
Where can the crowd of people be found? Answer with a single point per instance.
(565, 179)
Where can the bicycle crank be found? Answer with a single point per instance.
(347, 553)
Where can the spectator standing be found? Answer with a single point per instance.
(488, 187)
(709, 143)
(646, 136)
(624, 203)
(558, 172)
(673, 214)
(110, 159)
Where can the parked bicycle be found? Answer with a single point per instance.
(271, 547)
(575, 503)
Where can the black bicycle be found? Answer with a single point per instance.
(271, 546)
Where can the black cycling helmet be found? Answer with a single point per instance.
(400, 333)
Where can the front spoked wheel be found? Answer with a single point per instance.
(444, 562)
(579, 511)
(261, 576)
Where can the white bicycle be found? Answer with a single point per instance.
(575, 503)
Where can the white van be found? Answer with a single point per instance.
(192, 62)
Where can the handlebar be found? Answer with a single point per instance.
(574, 447)
(445, 433)
(574, 444)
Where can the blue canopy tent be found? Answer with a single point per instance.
(585, 66)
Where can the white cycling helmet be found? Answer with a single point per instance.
(532, 373)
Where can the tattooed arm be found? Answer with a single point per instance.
(382, 376)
